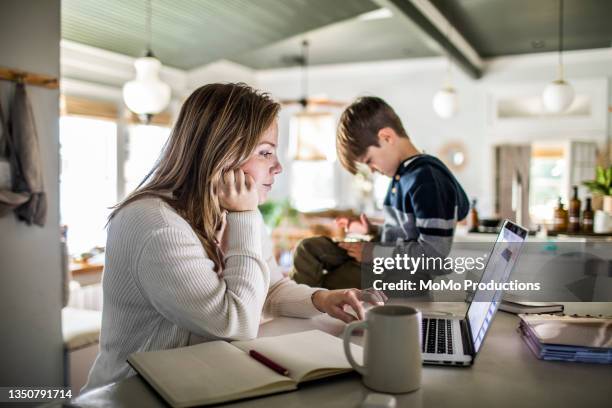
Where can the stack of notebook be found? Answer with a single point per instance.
(514, 304)
(583, 339)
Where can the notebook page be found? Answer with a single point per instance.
(307, 355)
(206, 373)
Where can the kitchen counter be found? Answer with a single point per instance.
(461, 235)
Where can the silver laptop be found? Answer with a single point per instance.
(457, 340)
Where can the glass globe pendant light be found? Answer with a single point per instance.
(559, 94)
(445, 101)
(147, 95)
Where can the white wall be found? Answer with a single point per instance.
(409, 86)
(30, 274)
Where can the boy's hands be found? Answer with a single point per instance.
(237, 191)
(357, 226)
(332, 302)
(357, 250)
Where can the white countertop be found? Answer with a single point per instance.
(505, 374)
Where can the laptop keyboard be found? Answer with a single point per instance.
(437, 336)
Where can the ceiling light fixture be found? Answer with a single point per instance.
(311, 129)
(445, 101)
(305, 100)
(147, 95)
(559, 94)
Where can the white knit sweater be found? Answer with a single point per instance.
(160, 290)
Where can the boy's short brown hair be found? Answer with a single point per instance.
(359, 126)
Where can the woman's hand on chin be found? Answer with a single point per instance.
(237, 192)
(332, 302)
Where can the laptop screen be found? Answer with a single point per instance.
(498, 269)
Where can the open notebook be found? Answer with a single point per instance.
(215, 372)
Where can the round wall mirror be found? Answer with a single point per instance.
(454, 155)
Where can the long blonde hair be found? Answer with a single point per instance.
(217, 129)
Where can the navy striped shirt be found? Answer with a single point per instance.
(422, 207)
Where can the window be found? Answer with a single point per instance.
(88, 179)
(144, 145)
(313, 136)
(313, 169)
(312, 185)
(98, 168)
(547, 185)
(555, 168)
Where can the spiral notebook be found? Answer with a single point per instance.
(218, 371)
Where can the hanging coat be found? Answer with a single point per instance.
(25, 159)
(9, 200)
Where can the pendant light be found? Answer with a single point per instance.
(312, 130)
(559, 94)
(147, 95)
(445, 101)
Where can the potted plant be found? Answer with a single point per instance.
(275, 212)
(602, 185)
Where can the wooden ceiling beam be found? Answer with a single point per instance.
(429, 19)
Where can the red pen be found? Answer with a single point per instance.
(269, 363)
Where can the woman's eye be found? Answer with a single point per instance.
(266, 154)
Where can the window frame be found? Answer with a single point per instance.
(116, 112)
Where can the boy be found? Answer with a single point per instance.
(421, 208)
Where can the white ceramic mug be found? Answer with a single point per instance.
(391, 349)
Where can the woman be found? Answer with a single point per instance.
(187, 258)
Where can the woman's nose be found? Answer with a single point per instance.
(277, 168)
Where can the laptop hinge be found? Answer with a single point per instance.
(466, 333)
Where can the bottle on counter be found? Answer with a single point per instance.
(473, 221)
(587, 217)
(574, 212)
(560, 218)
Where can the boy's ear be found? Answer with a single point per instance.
(387, 134)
